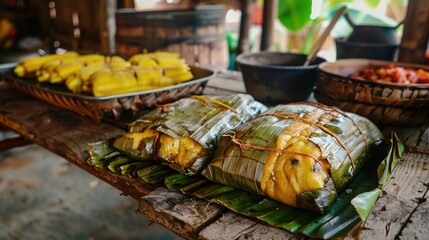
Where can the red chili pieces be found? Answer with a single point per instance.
(394, 74)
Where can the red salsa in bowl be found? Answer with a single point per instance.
(393, 74)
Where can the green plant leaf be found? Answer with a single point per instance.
(385, 168)
(294, 14)
(311, 36)
(364, 202)
(372, 3)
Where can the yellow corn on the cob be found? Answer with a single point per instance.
(104, 83)
(86, 72)
(116, 66)
(115, 59)
(74, 83)
(44, 73)
(63, 71)
(135, 59)
(146, 63)
(166, 62)
(171, 72)
(46, 70)
(165, 81)
(78, 82)
(182, 77)
(92, 58)
(28, 67)
(147, 76)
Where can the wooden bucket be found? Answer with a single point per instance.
(197, 34)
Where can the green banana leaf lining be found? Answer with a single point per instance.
(346, 214)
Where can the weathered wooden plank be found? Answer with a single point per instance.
(63, 133)
(235, 226)
(224, 83)
(402, 196)
(416, 139)
(401, 212)
(180, 213)
(12, 143)
(419, 220)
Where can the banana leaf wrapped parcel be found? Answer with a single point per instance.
(299, 154)
(184, 134)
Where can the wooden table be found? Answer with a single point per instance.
(402, 212)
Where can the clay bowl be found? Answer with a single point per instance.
(275, 77)
(350, 49)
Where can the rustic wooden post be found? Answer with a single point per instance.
(416, 32)
(243, 37)
(108, 27)
(268, 20)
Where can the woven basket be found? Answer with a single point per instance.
(383, 103)
(110, 107)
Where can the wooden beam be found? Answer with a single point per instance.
(416, 32)
(64, 133)
(268, 19)
(12, 143)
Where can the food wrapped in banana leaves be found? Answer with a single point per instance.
(299, 154)
(184, 134)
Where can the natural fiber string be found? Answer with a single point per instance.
(313, 123)
(320, 105)
(217, 102)
(164, 107)
(245, 147)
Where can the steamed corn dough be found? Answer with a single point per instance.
(184, 134)
(298, 154)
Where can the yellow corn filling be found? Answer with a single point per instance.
(138, 137)
(289, 174)
(184, 151)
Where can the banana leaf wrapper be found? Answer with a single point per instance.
(343, 218)
(184, 134)
(299, 154)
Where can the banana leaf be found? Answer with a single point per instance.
(184, 134)
(300, 154)
(343, 217)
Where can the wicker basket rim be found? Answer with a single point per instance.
(360, 63)
(200, 75)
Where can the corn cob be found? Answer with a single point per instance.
(44, 73)
(28, 67)
(141, 72)
(182, 77)
(172, 72)
(79, 81)
(46, 70)
(63, 71)
(92, 59)
(167, 62)
(104, 83)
